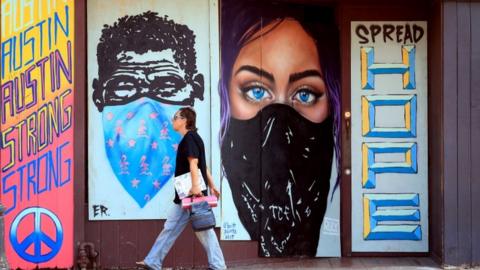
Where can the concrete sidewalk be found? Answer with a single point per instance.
(348, 263)
(400, 263)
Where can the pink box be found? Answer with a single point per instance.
(187, 202)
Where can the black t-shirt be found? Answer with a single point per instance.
(191, 145)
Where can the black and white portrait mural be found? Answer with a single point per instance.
(146, 60)
(280, 110)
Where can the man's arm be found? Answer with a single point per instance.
(196, 189)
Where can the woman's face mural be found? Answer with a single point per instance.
(280, 67)
(278, 145)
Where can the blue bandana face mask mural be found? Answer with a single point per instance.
(141, 146)
(147, 71)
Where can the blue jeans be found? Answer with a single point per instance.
(176, 221)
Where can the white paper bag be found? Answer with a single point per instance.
(183, 184)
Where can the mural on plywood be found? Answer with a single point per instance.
(147, 65)
(389, 129)
(36, 134)
(280, 121)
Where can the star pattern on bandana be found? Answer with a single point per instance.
(110, 143)
(156, 184)
(135, 182)
(131, 143)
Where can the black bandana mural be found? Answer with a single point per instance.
(280, 120)
(146, 71)
(287, 194)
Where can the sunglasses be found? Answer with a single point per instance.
(175, 117)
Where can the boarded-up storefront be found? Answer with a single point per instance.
(333, 128)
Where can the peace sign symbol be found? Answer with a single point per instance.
(37, 237)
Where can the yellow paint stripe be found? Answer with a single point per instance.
(363, 67)
(408, 157)
(366, 218)
(408, 123)
(364, 164)
(365, 118)
(406, 75)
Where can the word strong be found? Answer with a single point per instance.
(36, 131)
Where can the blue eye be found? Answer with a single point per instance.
(256, 93)
(306, 97)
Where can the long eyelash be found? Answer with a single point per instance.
(249, 86)
(245, 89)
(316, 94)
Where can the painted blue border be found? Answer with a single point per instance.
(392, 100)
(379, 231)
(389, 167)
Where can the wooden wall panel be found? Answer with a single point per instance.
(128, 234)
(461, 132)
(122, 243)
(109, 243)
(147, 234)
(475, 129)
(450, 122)
(464, 145)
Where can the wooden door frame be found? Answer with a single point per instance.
(80, 120)
(365, 11)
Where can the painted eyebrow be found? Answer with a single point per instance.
(122, 74)
(258, 71)
(307, 73)
(131, 70)
(126, 61)
(147, 66)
